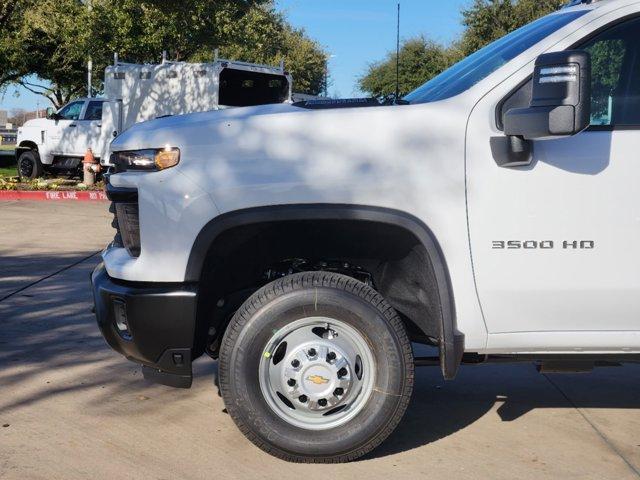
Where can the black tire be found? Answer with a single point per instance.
(288, 299)
(29, 165)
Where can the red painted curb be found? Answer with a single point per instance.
(52, 195)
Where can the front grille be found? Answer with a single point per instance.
(128, 226)
(117, 240)
(124, 206)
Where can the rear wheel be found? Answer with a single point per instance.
(29, 165)
(316, 367)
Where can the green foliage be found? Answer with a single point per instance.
(422, 59)
(306, 59)
(488, 20)
(7, 172)
(53, 39)
(606, 66)
(36, 48)
(419, 59)
(11, 12)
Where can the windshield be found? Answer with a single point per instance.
(466, 73)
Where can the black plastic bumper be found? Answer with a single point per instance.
(160, 321)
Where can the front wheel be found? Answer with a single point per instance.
(316, 367)
(29, 165)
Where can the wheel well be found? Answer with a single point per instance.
(26, 145)
(401, 257)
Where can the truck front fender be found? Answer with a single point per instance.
(451, 341)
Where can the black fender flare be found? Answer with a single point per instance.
(26, 147)
(451, 341)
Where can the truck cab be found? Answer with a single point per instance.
(58, 142)
(491, 214)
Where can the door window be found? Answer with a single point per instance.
(615, 75)
(71, 111)
(94, 111)
(615, 78)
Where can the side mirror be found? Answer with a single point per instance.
(560, 99)
(50, 113)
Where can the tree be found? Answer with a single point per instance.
(17, 117)
(47, 43)
(7, 7)
(263, 36)
(420, 59)
(53, 39)
(11, 12)
(488, 20)
(607, 59)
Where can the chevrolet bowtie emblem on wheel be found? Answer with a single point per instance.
(317, 379)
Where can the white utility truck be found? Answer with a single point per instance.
(492, 213)
(136, 93)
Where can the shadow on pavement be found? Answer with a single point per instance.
(439, 409)
(19, 271)
(50, 346)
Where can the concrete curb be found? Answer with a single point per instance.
(52, 195)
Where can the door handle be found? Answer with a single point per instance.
(73, 125)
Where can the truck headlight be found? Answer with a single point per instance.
(151, 159)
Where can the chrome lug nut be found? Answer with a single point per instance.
(331, 356)
(342, 372)
(295, 363)
(291, 382)
(322, 402)
(312, 352)
(303, 398)
(338, 391)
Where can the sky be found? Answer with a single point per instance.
(355, 33)
(359, 32)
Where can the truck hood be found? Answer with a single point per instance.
(236, 114)
(327, 155)
(137, 135)
(235, 132)
(38, 123)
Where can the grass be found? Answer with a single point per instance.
(8, 171)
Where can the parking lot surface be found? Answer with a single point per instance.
(71, 408)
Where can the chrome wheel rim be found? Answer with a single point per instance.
(317, 373)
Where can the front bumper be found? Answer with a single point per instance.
(160, 324)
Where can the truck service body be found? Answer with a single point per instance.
(490, 212)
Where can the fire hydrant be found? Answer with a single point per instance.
(90, 167)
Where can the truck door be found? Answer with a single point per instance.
(555, 245)
(89, 129)
(62, 136)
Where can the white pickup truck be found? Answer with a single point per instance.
(493, 213)
(135, 93)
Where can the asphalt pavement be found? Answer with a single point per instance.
(70, 408)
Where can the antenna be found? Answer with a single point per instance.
(398, 56)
